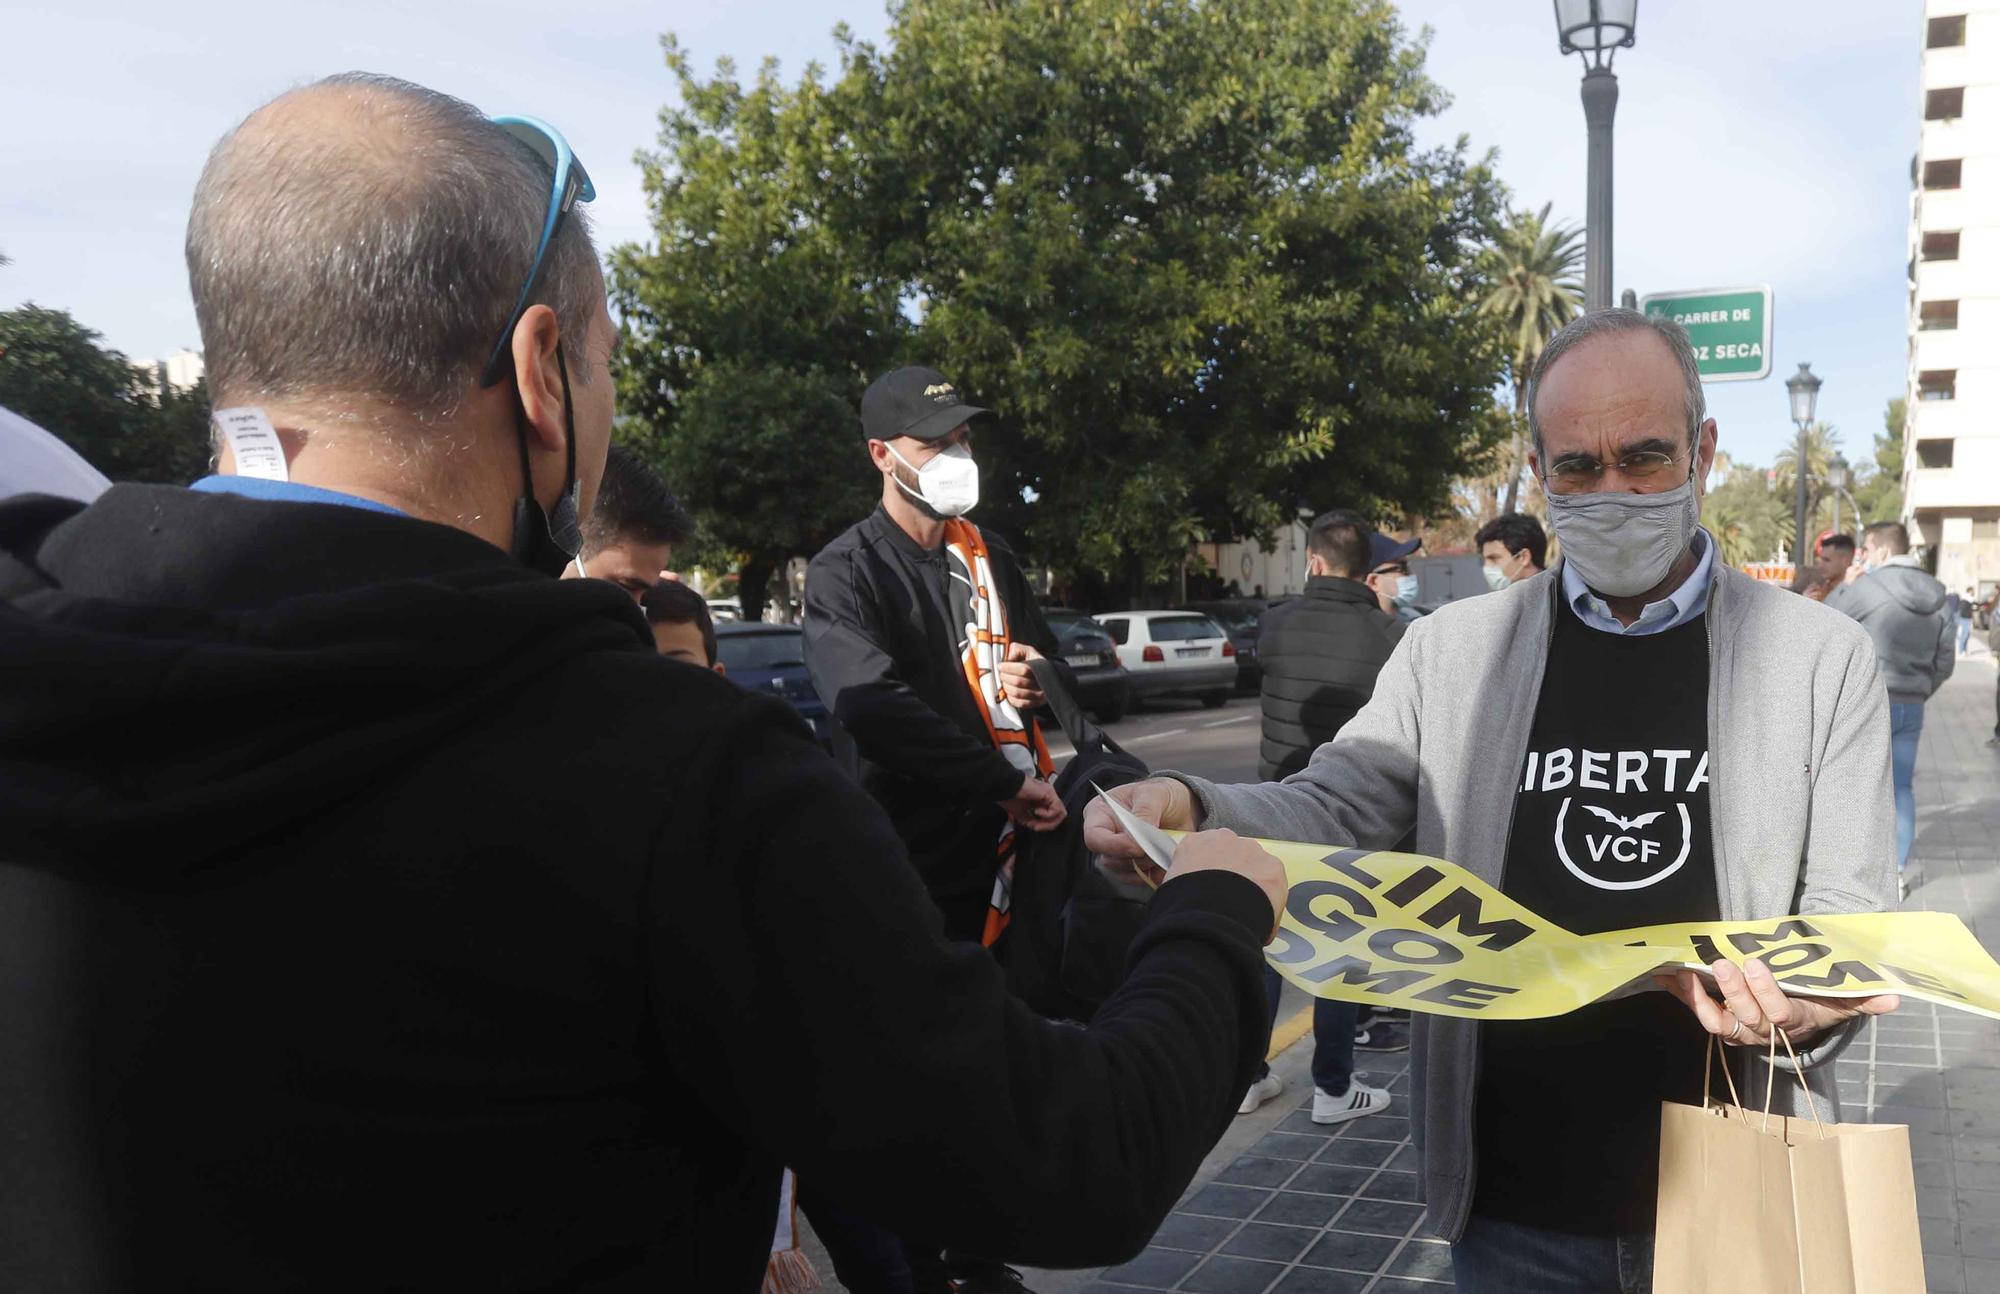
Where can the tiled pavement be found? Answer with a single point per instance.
(1288, 1207)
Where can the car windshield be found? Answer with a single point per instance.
(767, 649)
(1071, 629)
(1171, 629)
(1234, 619)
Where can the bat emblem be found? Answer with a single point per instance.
(1626, 824)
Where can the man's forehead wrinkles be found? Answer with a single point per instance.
(1628, 426)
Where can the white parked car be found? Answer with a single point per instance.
(1173, 653)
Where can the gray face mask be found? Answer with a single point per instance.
(1624, 544)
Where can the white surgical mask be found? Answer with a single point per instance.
(1406, 590)
(948, 484)
(1496, 578)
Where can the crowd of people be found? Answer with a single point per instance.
(382, 912)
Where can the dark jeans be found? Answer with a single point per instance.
(1333, 1038)
(1495, 1257)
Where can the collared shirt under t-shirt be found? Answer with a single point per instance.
(1611, 831)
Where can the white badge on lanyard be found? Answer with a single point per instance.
(253, 442)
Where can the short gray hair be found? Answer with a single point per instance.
(1605, 323)
(379, 255)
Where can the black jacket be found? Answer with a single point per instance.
(884, 656)
(375, 913)
(1320, 655)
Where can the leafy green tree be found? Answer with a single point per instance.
(1878, 485)
(1190, 253)
(1194, 257)
(1536, 269)
(758, 315)
(54, 372)
(1748, 516)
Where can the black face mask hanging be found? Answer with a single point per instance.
(548, 541)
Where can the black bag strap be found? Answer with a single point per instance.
(1069, 716)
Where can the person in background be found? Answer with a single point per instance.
(889, 603)
(629, 536)
(1992, 608)
(1389, 575)
(1962, 615)
(1903, 609)
(1640, 691)
(920, 630)
(682, 627)
(1321, 653)
(1514, 547)
(1835, 554)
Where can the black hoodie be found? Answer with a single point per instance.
(375, 913)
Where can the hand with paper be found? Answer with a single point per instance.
(1159, 802)
(1158, 856)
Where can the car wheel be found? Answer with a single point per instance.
(1111, 712)
(1214, 700)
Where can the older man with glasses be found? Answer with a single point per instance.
(1640, 734)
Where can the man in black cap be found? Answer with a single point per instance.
(919, 629)
(901, 613)
(1390, 576)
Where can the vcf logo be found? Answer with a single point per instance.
(1622, 853)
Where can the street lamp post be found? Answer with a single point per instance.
(1597, 30)
(1803, 387)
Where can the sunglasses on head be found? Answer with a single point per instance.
(571, 185)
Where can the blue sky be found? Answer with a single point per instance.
(1762, 142)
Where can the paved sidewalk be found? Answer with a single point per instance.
(1287, 1207)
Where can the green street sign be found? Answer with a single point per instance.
(1730, 329)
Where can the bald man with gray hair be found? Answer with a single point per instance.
(380, 912)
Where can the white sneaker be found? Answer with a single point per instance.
(1260, 1091)
(1359, 1099)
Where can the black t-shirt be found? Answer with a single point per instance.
(1611, 831)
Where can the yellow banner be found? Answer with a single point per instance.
(1400, 930)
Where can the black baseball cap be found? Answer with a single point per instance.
(1383, 550)
(914, 401)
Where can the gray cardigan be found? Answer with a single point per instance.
(1798, 726)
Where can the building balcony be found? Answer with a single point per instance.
(1947, 66)
(1942, 348)
(1942, 280)
(1941, 209)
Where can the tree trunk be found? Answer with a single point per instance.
(753, 583)
(1517, 456)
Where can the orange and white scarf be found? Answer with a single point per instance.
(982, 620)
(789, 1271)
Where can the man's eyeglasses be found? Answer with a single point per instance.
(570, 186)
(1581, 474)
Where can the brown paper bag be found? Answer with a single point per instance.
(1752, 1203)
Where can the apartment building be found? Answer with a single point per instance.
(1951, 448)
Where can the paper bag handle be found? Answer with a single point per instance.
(1798, 1073)
(1708, 1075)
(1708, 1078)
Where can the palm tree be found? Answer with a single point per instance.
(1536, 268)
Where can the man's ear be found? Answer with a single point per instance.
(1704, 455)
(538, 379)
(720, 668)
